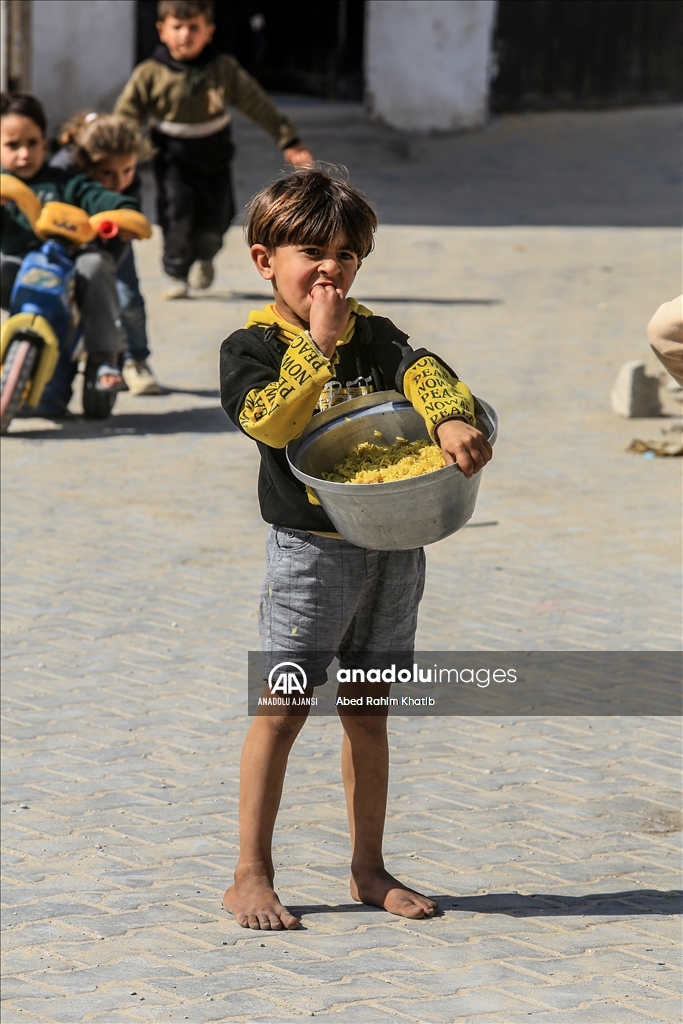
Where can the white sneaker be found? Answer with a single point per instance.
(174, 288)
(140, 379)
(202, 274)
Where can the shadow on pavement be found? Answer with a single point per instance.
(218, 296)
(198, 392)
(210, 420)
(515, 904)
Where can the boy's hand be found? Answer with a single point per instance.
(329, 316)
(298, 155)
(465, 445)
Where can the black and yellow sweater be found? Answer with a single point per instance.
(273, 380)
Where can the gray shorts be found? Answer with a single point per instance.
(324, 598)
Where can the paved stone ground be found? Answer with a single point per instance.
(620, 168)
(133, 557)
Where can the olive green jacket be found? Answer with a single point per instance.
(167, 90)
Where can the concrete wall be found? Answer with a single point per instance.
(82, 53)
(4, 43)
(427, 62)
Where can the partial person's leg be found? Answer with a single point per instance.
(385, 621)
(136, 370)
(54, 401)
(175, 203)
(252, 899)
(98, 302)
(365, 771)
(133, 314)
(9, 268)
(214, 211)
(293, 622)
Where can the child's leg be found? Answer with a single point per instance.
(365, 771)
(136, 370)
(98, 302)
(295, 561)
(369, 605)
(133, 315)
(175, 207)
(214, 211)
(9, 268)
(385, 620)
(252, 900)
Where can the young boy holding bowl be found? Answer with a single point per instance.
(314, 346)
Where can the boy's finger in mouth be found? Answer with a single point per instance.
(326, 286)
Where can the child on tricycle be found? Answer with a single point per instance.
(105, 147)
(23, 150)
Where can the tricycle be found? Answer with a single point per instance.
(40, 342)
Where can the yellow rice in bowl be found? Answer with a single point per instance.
(368, 463)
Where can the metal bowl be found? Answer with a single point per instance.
(392, 516)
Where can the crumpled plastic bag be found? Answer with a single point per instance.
(671, 443)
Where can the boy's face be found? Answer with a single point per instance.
(23, 146)
(185, 37)
(295, 270)
(116, 172)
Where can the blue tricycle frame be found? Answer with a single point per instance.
(43, 333)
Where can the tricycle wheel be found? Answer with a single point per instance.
(17, 370)
(97, 405)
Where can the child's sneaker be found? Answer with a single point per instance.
(140, 379)
(202, 274)
(174, 288)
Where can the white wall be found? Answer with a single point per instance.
(427, 62)
(4, 47)
(83, 53)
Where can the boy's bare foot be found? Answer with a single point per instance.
(380, 889)
(253, 903)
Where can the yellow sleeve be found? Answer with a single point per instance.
(278, 412)
(436, 394)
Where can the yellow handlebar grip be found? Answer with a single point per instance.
(66, 221)
(25, 198)
(127, 220)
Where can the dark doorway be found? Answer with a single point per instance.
(294, 46)
(587, 53)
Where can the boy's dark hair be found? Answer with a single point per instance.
(23, 105)
(311, 206)
(184, 9)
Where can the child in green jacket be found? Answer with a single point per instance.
(23, 152)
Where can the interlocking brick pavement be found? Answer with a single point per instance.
(133, 558)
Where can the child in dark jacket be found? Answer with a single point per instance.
(105, 147)
(316, 346)
(185, 88)
(23, 148)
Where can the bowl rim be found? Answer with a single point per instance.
(363, 406)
